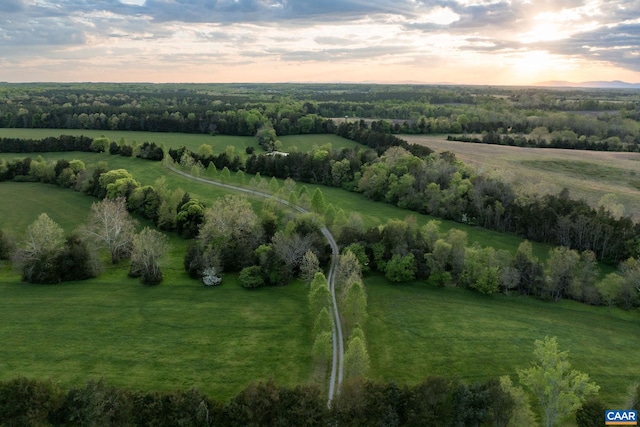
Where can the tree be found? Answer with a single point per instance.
(610, 287)
(401, 268)
(558, 389)
(360, 253)
(290, 249)
(232, 230)
(529, 267)
(38, 256)
(111, 226)
(317, 201)
(590, 413)
(309, 266)
(323, 323)
(521, 415)
(210, 277)
(348, 270)
(562, 265)
(319, 294)
(356, 357)
(251, 277)
(148, 247)
(188, 217)
(630, 270)
(323, 347)
(354, 306)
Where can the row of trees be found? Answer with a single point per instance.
(402, 251)
(542, 138)
(274, 262)
(170, 210)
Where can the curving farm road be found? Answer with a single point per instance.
(338, 346)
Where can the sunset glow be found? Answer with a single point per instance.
(462, 41)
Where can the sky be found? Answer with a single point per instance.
(496, 42)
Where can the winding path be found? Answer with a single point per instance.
(338, 346)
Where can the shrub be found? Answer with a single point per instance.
(251, 277)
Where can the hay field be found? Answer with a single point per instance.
(588, 175)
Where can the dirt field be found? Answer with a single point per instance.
(588, 175)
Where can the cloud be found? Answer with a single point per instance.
(317, 32)
(619, 45)
(11, 6)
(341, 54)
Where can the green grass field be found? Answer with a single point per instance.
(25, 201)
(415, 330)
(171, 140)
(175, 335)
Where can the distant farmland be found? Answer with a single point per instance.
(588, 175)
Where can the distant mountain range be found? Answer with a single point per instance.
(616, 84)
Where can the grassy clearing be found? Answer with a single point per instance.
(25, 201)
(175, 335)
(180, 334)
(416, 330)
(305, 143)
(588, 175)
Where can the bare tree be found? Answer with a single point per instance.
(291, 247)
(111, 226)
(148, 247)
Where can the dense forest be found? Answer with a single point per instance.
(578, 118)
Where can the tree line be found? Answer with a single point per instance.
(542, 138)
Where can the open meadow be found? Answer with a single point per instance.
(415, 330)
(180, 334)
(588, 175)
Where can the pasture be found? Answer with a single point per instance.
(415, 330)
(588, 175)
(176, 335)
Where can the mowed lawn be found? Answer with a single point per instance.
(175, 335)
(416, 330)
(588, 175)
(23, 202)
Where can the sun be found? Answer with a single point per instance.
(535, 65)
